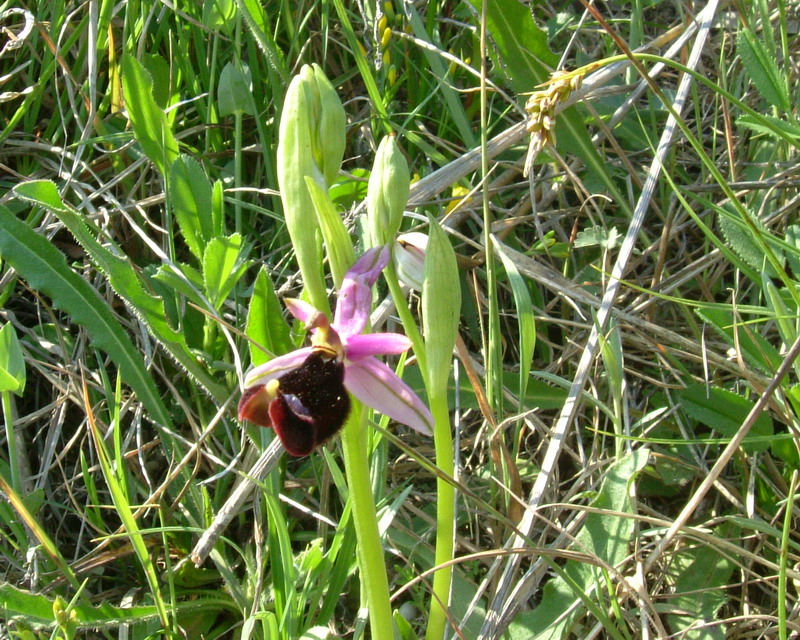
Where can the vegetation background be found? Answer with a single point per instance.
(649, 421)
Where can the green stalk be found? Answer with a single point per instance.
(372, 564)
(13, 459)
(445, 515)
(406, 317)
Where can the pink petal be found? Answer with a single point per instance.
(276, 367)
(301, 310)
(369, 266)
(375, 344)
(352, 308)
(376, 385)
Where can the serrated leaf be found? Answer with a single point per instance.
(126, 281)
(725, 411)
(767, 124)
(150, 127)
(763, 70)
(45, 269)
(265, 323)
(158, 69)
(191, 203)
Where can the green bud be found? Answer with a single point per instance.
(387, 193)
(330, 127)
(295, 161)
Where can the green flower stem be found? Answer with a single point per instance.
(445, 514)
(406, 317)
(374, 582)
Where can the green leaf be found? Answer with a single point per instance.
(762, 122)
(441, 308)
(219, 15)
(525, 318)
(755, 348)
(605, 535)
(190, 193)
(698, 592)
(158, 69)
(337, 241)
(12, 362)
(265, 324)
(150, 127)
(763, 70)
(519, 43)
(46, 270)
(126, 281)
(223, 264)
(725, 411)
(234, 93)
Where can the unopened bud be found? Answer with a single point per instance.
(387, 192)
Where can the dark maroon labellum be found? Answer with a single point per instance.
(309, 407)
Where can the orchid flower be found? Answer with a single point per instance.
(303, 394)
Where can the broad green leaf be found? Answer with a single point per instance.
(525, 318)
(265, 324)
(45, 269)
(234, 93)
(519, 43)
(698, 592)
(725, 411)
(150, 127)
(126, 281)
(763, 70)
(337, 241)
(191, 203)
(36, 610)
(219, 14)
(12, 362)
(441, 308)
(223, 264)
(604, 535)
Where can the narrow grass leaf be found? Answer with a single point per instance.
(45, 269)
(755, 348)
(265, 324)
(123, 510)
(190, 196)
(725, 411)
(525, 318)
(47, 544)
(150, 126)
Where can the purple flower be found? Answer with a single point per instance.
(303, 395)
